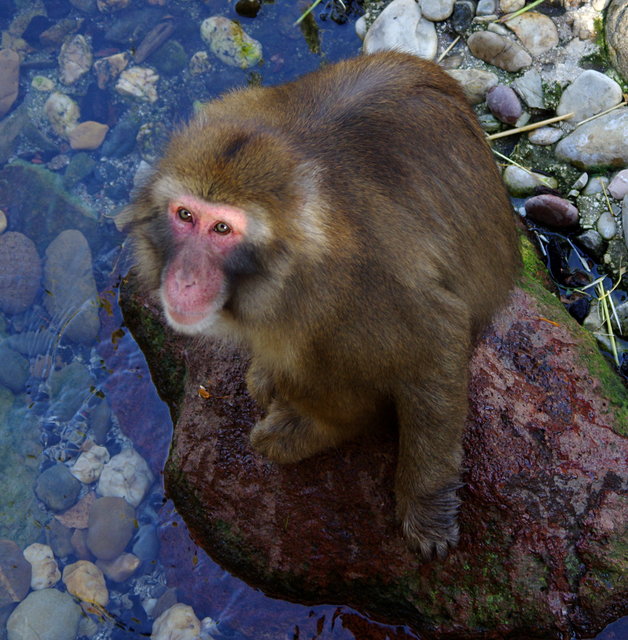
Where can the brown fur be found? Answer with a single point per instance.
(381, 243)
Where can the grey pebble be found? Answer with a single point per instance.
(592, 242)
(20, 272)
(589, 94)
(606, 226)
(57, 488)
(499, 51)
(464, 12)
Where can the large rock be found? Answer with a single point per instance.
(541, 524)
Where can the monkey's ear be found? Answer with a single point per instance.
(125, 218)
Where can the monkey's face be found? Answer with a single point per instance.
(194, 286)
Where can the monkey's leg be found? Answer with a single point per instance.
(431, 419)
(286, 436)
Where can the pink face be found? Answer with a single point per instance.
(193, 284)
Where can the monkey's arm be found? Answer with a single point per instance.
(260, 384)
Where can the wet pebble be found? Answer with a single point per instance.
(139, 83)
(248, 8)
(9, 79)
(58, 537)
(112, 5)
(592, 242)
(463, 14)
(79, 544)
(14, 371)
(111, 526)
(110, 67)
(600, 142)
(121, 568)
(521, 183)
(126, 476)
(146, 544)
(551, 210)
(45, 572)
(62, 113)
(15, 571)
(589, 94)
(536, 31)
(504, 104)
(121, 139)
(77, 516)
(606, 226)
(75, 59)
(475, 83)
(228, 41)
(179, 621)
(545, 135)
(618, 186)
(436, 10)
(48, 614)
(75, 308)
(86, 581)
(57, 488)
(90, 463)
(68, 388)
(498, 51)
(87, 135)
(20, 272)
(3, 221)
(43, 84)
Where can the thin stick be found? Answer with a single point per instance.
(597, 115)
(529, 127)
(307, 12)
(449, 48)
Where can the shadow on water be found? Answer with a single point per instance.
(71, 376)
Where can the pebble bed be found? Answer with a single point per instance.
(88, 92)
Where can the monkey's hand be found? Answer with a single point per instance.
(430, 523)
(286, 436)
(260, 384)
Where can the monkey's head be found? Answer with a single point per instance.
(220, 220)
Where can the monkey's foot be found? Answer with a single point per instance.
(285, 436)
(430, 523)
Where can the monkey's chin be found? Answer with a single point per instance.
(190, 323)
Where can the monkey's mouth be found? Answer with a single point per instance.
(186, 318)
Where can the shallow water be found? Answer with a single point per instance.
(61, 390)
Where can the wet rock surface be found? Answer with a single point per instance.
(543, 460)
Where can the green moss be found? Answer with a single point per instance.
(552, 94)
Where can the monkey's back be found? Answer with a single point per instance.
(398, 155)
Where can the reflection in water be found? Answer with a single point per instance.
(83, 435)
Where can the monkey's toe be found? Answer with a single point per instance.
(430, 524)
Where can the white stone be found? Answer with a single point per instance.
(427, 40)
(596, 184)
(179, 622)
(139, 83)
(436, 10)
(126, 476)
(62, 112)
(509, 6)
(86, 581)
(45, 572)
(589, 94)
(395, 28)
(90, 463)
(606, 226)
(475, 83)
(43, 84)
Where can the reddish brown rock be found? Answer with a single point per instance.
(541, 522)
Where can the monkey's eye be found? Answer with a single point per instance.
(184, 214)
(222, 228)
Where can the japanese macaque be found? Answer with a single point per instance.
(351, 229)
